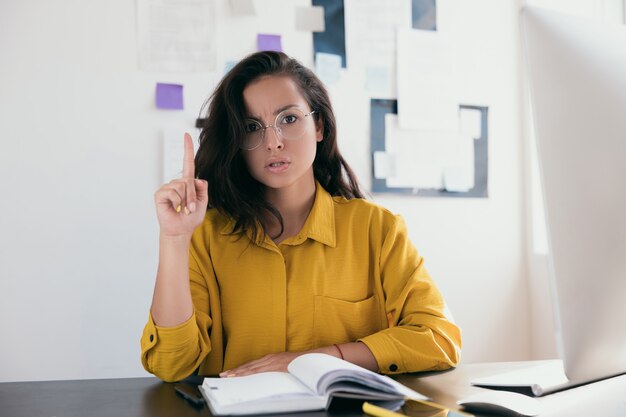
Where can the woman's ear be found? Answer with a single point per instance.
(319, 129)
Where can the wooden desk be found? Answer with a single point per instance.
(149, 397)
(128, 397)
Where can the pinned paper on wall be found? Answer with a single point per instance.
(428, 163)
(457, 180)
(426, 83)
(371, 41)
(458, 171)
(469, 122)
(378, 79)
(266, 42)
(310, 18)
(424, 14)
(419, 155)
(242, 7)
(331, 41)
(169, 96)
(384, 165)
(176, 35)
(173, 151)
(328, 67)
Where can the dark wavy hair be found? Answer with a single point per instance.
(219, 161)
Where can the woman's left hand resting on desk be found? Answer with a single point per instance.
(268, 363)
(357, 353)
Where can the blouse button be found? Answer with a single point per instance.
(393, 367)
(151, 337)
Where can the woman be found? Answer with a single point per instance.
(288, 258)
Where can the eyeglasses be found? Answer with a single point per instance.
(290, 124)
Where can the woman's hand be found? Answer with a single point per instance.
(181, 204)
(272, 362)
(356, 352)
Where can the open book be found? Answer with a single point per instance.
(538, 379)
(312, 382)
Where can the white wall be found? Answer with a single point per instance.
(80, 160)
(475, 248)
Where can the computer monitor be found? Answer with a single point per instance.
(577, 80)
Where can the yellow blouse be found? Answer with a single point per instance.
(350, 274)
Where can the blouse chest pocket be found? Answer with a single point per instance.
(340, 321)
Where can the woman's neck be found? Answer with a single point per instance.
(294, 204)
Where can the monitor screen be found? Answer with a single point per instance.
(577, 74)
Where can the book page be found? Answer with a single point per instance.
(236, 390)
(318, 371)
(310, 368)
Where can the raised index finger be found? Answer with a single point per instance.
(188, 164)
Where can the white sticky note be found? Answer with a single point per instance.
(470, 122)
(458, 174)
(243, 7)
(328, 67)
(173, 151)
(420, 155)
(176, 35)
(455, 180)
(377, 80)
(426, 82)
(370, 37)
(384, 165)
(310, 19)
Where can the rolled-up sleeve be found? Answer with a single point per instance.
(420, 337)
(174, 353)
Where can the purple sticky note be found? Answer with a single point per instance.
(169, 96)
(265, 42)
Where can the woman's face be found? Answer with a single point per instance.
(278, 162)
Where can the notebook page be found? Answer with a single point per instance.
(310, 368)
(234, 390)
(313, 368)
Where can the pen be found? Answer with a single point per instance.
(443, 408)
(376, 411)
(193, 399)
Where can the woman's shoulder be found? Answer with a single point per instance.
(363, 209)
(214, 223)
(213, 217)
